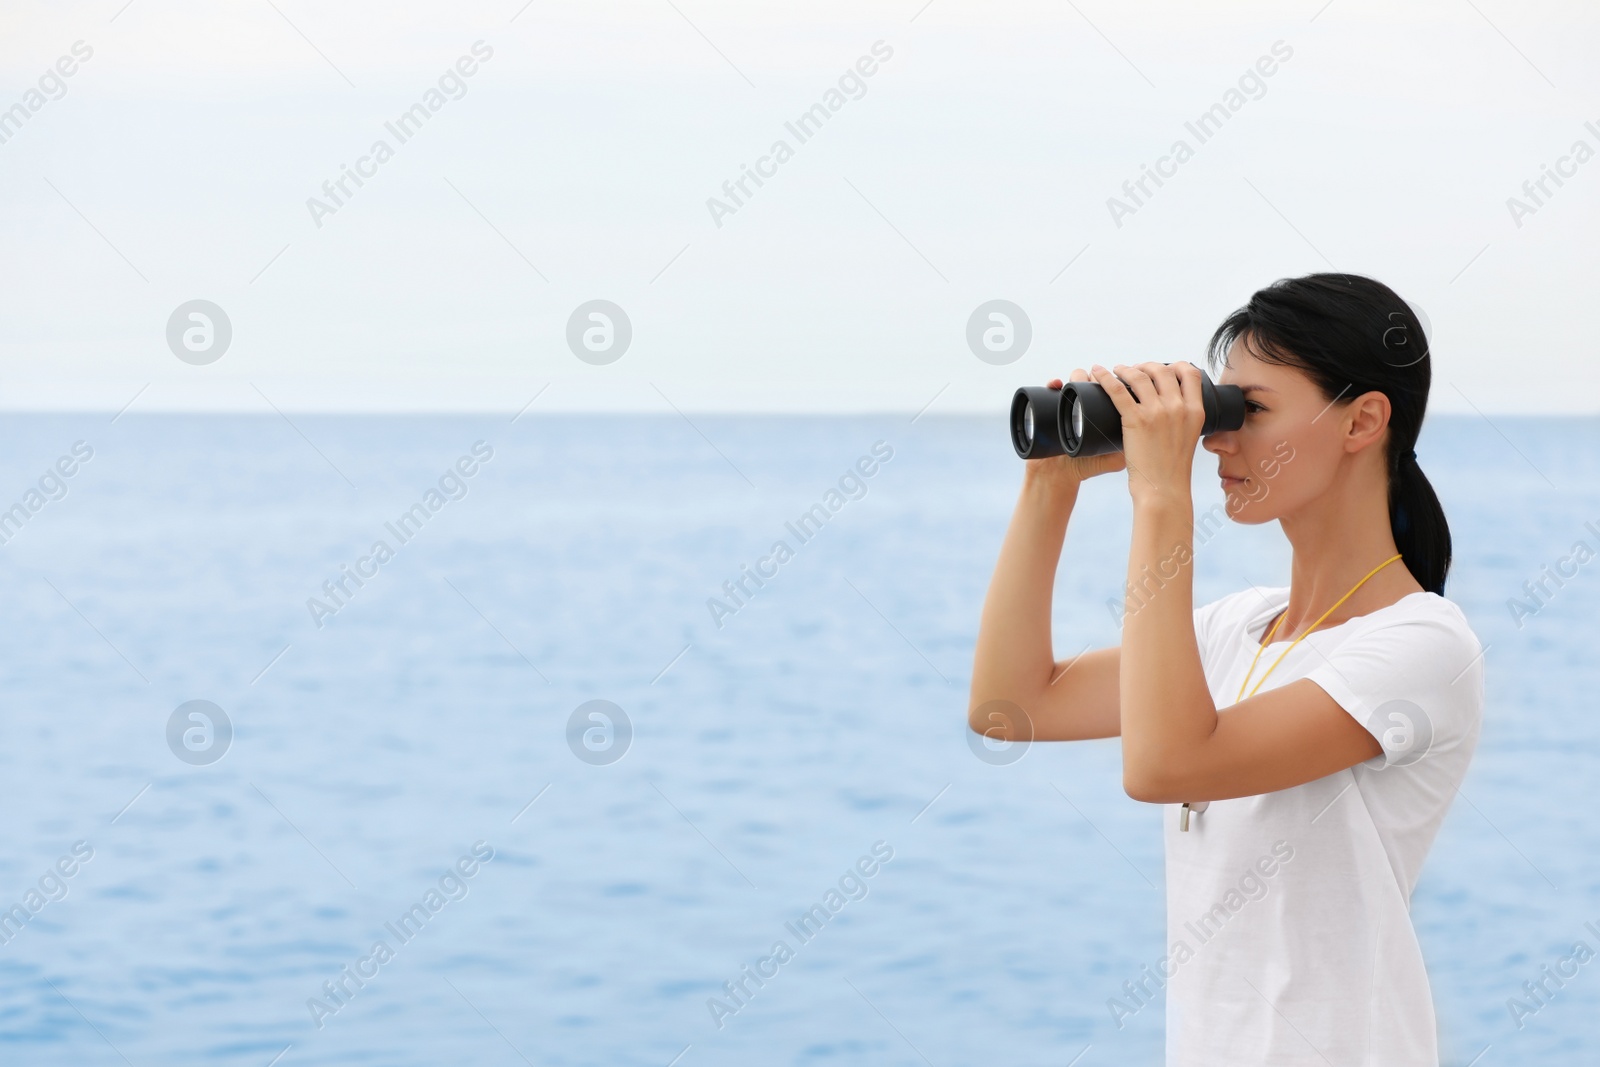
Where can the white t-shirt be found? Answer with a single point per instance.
(1288, 914)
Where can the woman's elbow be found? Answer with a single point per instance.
(978, 722)
(1145, 787)
(1137, 788)
(996, 719)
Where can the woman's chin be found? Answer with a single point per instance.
(1244, 510)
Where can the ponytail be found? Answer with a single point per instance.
(1417, 521)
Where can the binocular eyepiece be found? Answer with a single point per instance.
(1080, 418)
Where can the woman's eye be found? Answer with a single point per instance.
(1251, 406)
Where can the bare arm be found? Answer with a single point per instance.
(1014, 661)
(1176, 743)
(1274, 740)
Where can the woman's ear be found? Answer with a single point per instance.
(1367, 418)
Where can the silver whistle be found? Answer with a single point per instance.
(1196, 806)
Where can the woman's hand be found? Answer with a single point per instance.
(1161, 428)
(1072, 470)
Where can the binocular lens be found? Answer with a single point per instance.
(1080, 418)
(1036, 422)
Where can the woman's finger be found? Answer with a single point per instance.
(1079, 375)
(1163, 380)
(1140, 387)
(1189, 378)
(1120, 397)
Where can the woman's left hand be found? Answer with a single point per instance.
(1161, 428)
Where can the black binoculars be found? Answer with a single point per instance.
(1080, 418)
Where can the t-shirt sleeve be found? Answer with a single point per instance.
(1202, 623)
(1416, 684)
(1205, 626)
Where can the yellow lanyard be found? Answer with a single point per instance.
(1302, 637)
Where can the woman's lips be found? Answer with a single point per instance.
(1228, 482)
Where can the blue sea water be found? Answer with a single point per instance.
(771, 749)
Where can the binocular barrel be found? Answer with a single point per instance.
(1080, 419)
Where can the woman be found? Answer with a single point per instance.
(1305, 740)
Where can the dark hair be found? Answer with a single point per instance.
(1352, 335)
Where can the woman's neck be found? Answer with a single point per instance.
(1337, 541)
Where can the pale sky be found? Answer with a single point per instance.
(575, 164)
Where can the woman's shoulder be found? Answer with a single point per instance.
(1430, 609)
(1424, 641)
(1420, 651)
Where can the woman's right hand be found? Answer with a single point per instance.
(1072, 470)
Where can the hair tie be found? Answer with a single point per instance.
(1410, 456)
